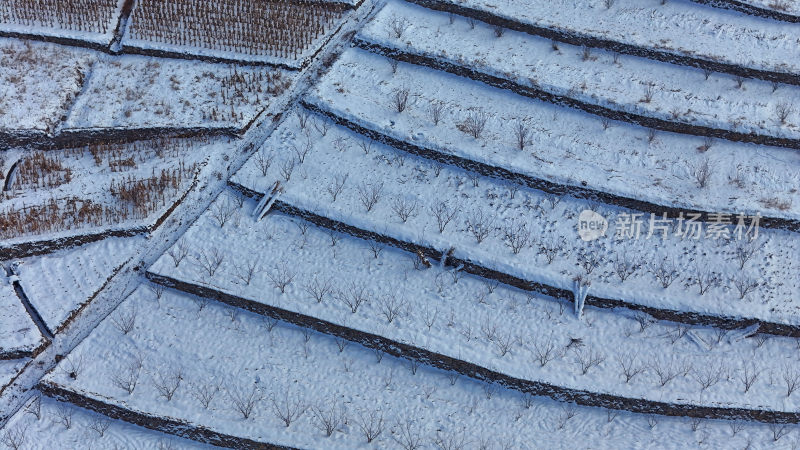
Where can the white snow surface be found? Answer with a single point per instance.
(680, 27)
(17, 330)
(38, 82)
(619, 160)
(399, 177)
(221, 346)
(58, 283)
(49, 432)
(462, 317)
(677, 93)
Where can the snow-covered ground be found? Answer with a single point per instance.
(631, 84)
(140, 92)
(92, 177)
(58, 283)
(9, 369)
(785, 6)
(504, 215)
(38, 82)
(680, 27)
(463, 317)
(44, 423)
(225, 355)
(93, 22)
(565, 146)
(17, 330)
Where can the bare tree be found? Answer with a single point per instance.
(644, 320)
(391, 306)
(354, 296)
(328, 418)
(705, 280)
(544, 350)
(450, 441)
(624, 266)
(443, 213)
(778, 430)
(366, 146)
(665, 368)
(369, 194)
(516, 235)
(167, 382)
(649, 90)
(72, 366)
(406, 435)
(480, 225)
(287, 168)
(399, 99)
(336, 186)
(744, 285)
(318, 289)
(404, 208)
(708, 375)
(588, 357)
(744, 252)
(549, 248)
(397, 26)
(665, 272)
(210, 260)
(371, 424)
(748, 375)
(34, 407)
(630, 366)
(125, 319)
(522, 133)
(245, 400)
(288, 407)
(302, 118)
(435, 110)
(263, 162)
(128, 377)
(15, 437)
(783, 111)
(322, 125)
(568, 412)
(178, 251)
(204, 392)
(503, 343)
(100, 425)
(281, 276)
(792, 377)
(474, 123)
(701, 172)
(222, 211)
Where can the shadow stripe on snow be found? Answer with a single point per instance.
(530, 181)
(444, 362)
(691, 318)
(751, 10)
(581, 39)
(565, 101)
(171, 426)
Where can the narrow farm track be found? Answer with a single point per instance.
(569, 102)
(197, 200)
(580, 39)
(446, 362)
(690, 318)
(530, 181)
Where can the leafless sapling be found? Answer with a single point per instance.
(397, 26)
(328, 418)
(791, 376)
(204, 392)
(480, 225)
(124, 319)
(474, 123)
(705, 280)
(245, 400)
(391, 306)
(210, 259)
(744, 285)
(178, 251)
(288, 407)
(287, 168)
(702, 172)
(354, 295)
(522, 133)
(281, 276)
(222, 212)
(128, 377)
(544, 350)
(318, 289)
(588, 357)
(100, 425)
(748, 375)
(435, 111)
(263, 161)
(15, 437)
(665, 272)
(34, 407)
(630, 366)
(167, 382)
(302, 150)
(247, 270)
(406, 435)
(399, 99)
(516, 235)
(783, 111)
(371, 424)
(370, 194)
(404, 208)
(443, 213)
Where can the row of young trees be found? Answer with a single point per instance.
(75, 15)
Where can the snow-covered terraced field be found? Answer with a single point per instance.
(144, 92)
(59, 283)
(18, 333)
(282, 371)
(679, 27)
(622, 159)
(446, 312)
(636, 85)
(521, 231)
(67, 426)
(93, 21)
(38, 83)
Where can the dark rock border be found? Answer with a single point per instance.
(691, 318)
(580, 39)
(166, 425)
(751, 10)
(530, 181)
(444, 362)
(569, 102)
